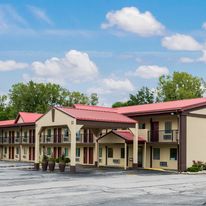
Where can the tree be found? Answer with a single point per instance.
(180, 85)
(143, 96)
(39, 97)
(6, 111)
(119, 104)
(94, 99)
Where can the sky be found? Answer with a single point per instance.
(110, 47)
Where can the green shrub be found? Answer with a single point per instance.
(193, 169)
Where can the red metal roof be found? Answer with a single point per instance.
(127, 135)
(94, 108)
(163, 106)
(28, 117)
(7, 122)
(94, 115)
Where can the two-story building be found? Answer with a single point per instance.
(167, 135)
(17, 138)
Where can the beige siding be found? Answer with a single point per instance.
(196, 140)
(199, 111)
(164, 157)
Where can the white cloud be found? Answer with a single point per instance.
(76, 66)
(40, 14)
(122, 85)
(130, 19)
(151, 71)
(9, 17)
(181, 42)
(110, 85)
(203, 57)
(11, 65)
(186, 60)
(204, 25)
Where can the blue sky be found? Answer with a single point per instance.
(110, 47)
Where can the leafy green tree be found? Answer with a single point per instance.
(180, 85)
(143, 96)
(119, 104)
(94, 99)
(6, 110)
(39, 97)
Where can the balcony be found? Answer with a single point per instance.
(53, 139)
(163, 136)
(85, 138)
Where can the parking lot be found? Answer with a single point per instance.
(20, 185)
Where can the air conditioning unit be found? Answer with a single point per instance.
(163, 164)
(116, 161)
(16, 156)
(167, 136)
(77, 159)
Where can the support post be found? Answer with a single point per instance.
(74, 128)
(73, 147)
(135, 145)
(145, 156)
(96, 133)
(37, 148)
(125, 156)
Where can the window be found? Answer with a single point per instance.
(17, 150)
(77, 152)
(110, 152)
(25, 150)
(156, 153)
(49, 151)
(66, 132)
(49, 133)
(100, 152)
(168, 127)
(25, 134)
(5, 150)
(122, 153)
(142, 126)
(17, 134)
(78, 136)
(173, 153)
(66, 153)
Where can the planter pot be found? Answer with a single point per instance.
(51, 166)
(62, 166)
(44, 166)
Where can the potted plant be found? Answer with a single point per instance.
(51, 164)
(44, 163)
(62, 162)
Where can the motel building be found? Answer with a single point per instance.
(167, 135)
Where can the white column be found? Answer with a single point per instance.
(96, 133)
(74, 128)
(125, 155)
(37, 147)
(73, 146)
(135, 145)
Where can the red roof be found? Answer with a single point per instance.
(28, 117)
(163, 106)
(127, 135)
(94, 115)
(94, 108)
(7, 122)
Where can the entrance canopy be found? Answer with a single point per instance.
(123, 135)
(98, 119)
